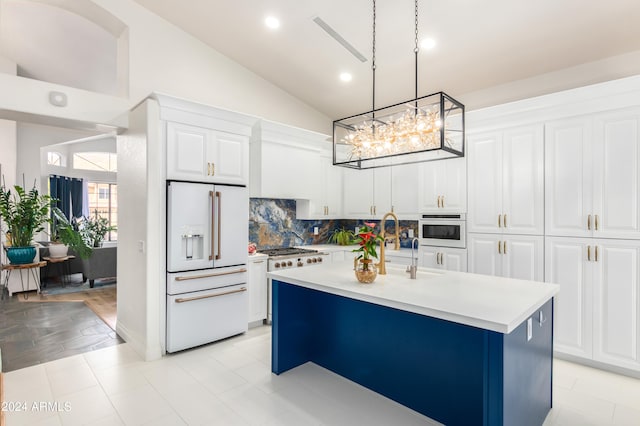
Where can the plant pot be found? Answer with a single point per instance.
(21, 255)
(366, 271)
(58, 250)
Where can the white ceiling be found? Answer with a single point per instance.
(481, 44)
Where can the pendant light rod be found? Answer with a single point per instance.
(416, 49)
(373, 63)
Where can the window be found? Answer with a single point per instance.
(96, 161)
(54, 159)
(103, 199)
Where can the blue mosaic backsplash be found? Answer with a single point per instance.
(273, 223)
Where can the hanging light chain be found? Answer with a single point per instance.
(373, 61)
(416, 50)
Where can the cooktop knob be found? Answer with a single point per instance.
(300, 263)
(309, 260)
(314, 260)
(319, 260)
(289, 263)
(277, 264)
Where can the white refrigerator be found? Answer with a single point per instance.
(207, 234)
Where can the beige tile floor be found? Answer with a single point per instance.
(230, 383)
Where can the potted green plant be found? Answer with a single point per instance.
(342, 237)
(94, 229)
(24, 214)
(366, 271)
(68, 235)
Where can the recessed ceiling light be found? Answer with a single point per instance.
(272, 22)
(345, 76)
(428, 43)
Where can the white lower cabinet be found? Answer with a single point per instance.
(257, 284)
(511, 256)
(450, 259)
(597, 312)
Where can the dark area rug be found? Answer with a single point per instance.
(73, 283)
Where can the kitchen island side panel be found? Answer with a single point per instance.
(450, 372)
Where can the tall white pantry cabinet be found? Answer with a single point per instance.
(556, 179)
(592, 239)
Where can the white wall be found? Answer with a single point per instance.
(165, 59)
(8, 152)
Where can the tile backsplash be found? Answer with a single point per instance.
(273, 223)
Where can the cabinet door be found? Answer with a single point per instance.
(432, 177)
(523, 181)
(454, 259)
(484, 257)
(381, 191)
(616, 303)
(454, 193)
(333, 188)
(228, 156)
(484, 182)
(257, 290)
(568, 177)
(404, 194)
(616, 186)
(358, 194)
(523, 257)
(430, 257)
(567, 264)
(231, 232)
(187, 152)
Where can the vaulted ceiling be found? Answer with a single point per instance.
(520, 48)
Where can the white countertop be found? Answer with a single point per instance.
(483, 301)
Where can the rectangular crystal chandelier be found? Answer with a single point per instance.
(423, 129)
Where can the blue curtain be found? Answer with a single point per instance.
(68, 195)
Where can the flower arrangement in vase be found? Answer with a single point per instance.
(366, 271)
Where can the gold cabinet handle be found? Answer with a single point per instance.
(589, 253)
(500, 247)
(215, 274)
(191, 299)
(213, 229)
(437, 258)
(504, 220)
(208, 169)
(443, 201)
(596, 249)
(213, 169)
(589, 222)
(504, 247)
(499, 225)
(596, 223)
(219, 196)
(438, 201)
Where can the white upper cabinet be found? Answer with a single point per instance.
(511, 256)
(505, 181)
(367, 193)
(592, 176)
(285, 162)
(204, 155)
(442, 186)
(327, 202)
(404, 197)
(205, 144)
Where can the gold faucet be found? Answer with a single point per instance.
(382, 269)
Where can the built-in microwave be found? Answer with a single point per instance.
(443, 230)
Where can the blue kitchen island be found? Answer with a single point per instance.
(462, 349)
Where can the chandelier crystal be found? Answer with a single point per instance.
(421, 129)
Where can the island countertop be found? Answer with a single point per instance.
(487, 302)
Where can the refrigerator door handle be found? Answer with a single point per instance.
(219, 196)
(213, 206)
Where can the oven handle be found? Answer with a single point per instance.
(191, 299)
(216, 274)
